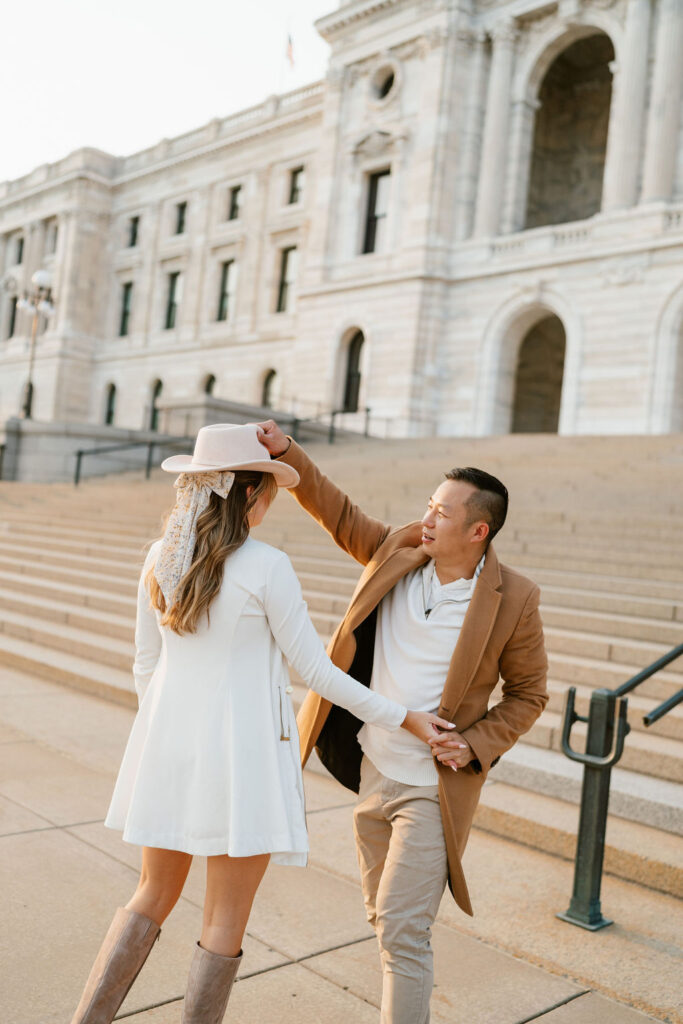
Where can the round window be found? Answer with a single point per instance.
(383, 82)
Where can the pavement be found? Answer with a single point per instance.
(309, 955)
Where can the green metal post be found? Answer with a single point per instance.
(584, 907)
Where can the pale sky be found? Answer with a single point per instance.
(121, 75)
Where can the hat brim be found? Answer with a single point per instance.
(285, 476)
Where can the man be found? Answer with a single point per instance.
(435, 620)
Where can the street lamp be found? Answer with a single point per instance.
(37, 301)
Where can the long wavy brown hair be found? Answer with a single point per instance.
(221, 529)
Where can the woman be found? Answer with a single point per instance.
(212, 763)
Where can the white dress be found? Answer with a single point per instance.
(212, 764)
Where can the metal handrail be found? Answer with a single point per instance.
(607, 730)
(646, 673)
(127, 446)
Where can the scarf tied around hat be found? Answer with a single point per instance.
(193, 493)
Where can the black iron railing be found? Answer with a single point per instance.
(607, 730)
(151, 446)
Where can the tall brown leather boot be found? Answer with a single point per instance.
(209, 986)
(125, 948)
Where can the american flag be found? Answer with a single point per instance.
(290, 50)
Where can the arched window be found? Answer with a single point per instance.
(538, 378)
(157, 388)
(352, 381)
(270, 389)
(570, 134)
(110, 406)
(209, 384)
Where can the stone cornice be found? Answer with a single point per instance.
(330, 25)
(215, 147)
(80, 174)
(264, 119)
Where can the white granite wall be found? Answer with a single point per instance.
(446, 303)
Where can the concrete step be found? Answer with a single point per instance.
(569, 577)
(653, 755)
(82, 643)
(68, 669)
(670, 634)
(123, 566)
(107, 623)
(641, 798)
(626, 558)
(125, 585)
(610, 648)
(577, 670)
(633, 851)
(71, 594)
(87, 547)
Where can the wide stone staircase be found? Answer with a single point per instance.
(593, 520)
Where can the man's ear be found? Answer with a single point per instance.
(481, 532)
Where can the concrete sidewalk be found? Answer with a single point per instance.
(310, 957)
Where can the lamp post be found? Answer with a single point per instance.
(37, 301)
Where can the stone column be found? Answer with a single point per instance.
(522, 123)
(496, 127)
(661, 147)
(625, 135)
(471, 143)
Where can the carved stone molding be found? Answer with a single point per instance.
(505, 32)
(569, 10)
(533, 291)
(625, 270)
(377, 143)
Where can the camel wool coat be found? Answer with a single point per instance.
(502, 636)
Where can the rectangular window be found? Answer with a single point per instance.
(126, 301)
(180, 217)
(172, 300)
(296, 184)
(235, 203)
(226, 294)
(20, 250)
(376, 216)
(133, 227)
(288, 266)
(12, 316)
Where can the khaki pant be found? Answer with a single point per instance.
(404, 870)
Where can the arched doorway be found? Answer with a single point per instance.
(538, 378)
(157, 388)
(270, 389)
(570, 134)
(110, 405)
(352, 379)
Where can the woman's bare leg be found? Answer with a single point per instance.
(231, 884)
(161, 882)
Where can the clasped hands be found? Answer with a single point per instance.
(448, 745)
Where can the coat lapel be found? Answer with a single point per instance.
(370, 593)
(474, 635)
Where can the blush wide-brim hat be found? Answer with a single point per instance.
(233, 446)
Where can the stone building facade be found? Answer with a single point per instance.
(473, 225)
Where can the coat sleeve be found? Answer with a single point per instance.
(296, 637)
(353, 530)
(147, 634)
(523, 667)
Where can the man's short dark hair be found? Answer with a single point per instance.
(488, 502)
